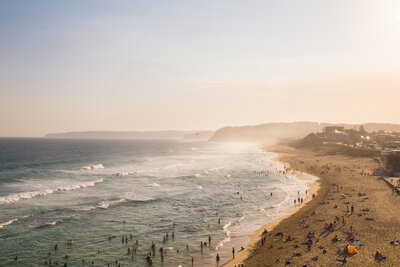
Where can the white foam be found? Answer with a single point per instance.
(153, 185)
(7, 223)
(221, 244)
(92, 167)
(28, 195)
(123, 174)
(107, 204)
(227, 225)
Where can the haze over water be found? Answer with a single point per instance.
(55, 190)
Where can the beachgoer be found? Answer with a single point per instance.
(233, 252)
(217, 258)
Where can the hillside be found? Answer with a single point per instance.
(270, 133)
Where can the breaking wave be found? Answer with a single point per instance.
(92, 167)
(28, 195)
(107, 204)
(7, 223)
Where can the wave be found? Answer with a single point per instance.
(122, 174)
(107, 204)
(28, 195)
(110, 203)
(7, 223)
(221, 244)
(154, 185)
(226, 239)
(2, 225)
(53, 223)
(92, 167)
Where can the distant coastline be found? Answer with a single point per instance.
(137, 135)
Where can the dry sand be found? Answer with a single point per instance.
(354, 177)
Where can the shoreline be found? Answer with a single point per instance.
(314, 186)
(353, 208)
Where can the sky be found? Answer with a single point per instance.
(182, 65)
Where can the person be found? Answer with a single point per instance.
(16, 258)
(233, 252)
(192, 261)
(65, 264)
(209, 239)
(219, 220)
(217, 258)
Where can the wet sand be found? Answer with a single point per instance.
(374, 222)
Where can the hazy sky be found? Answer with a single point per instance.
(156, 65)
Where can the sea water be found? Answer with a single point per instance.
(52, 191)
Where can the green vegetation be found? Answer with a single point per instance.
(315, 142)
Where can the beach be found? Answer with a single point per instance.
(344, 182)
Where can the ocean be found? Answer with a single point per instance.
(52, 191)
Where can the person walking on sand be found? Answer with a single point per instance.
(217, 258)
(233, 252)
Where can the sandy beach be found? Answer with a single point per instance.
(344, 182)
